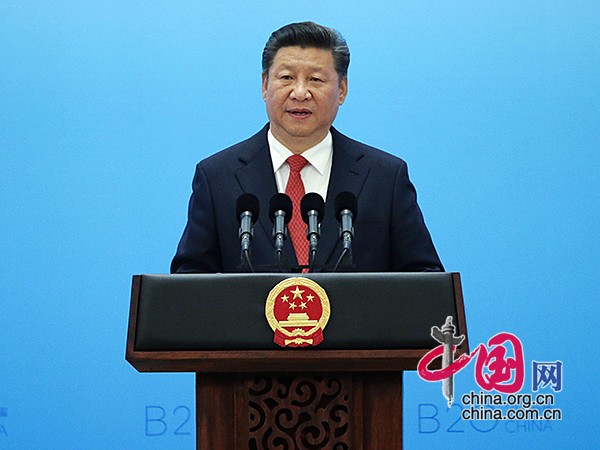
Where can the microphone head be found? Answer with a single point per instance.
(312, 202)
(247, 202)
(280, 202)
(345, 200)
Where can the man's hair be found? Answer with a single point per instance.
(308, 35)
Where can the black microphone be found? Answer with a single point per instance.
(280, 212)
(312, 207)
(247, 208)
(345, 205)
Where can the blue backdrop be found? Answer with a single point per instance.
(105, 107)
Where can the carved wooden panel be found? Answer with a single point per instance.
(299, 412)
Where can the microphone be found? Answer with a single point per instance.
(312, 208)
(280, 212)
(345, 205)
(247, 208)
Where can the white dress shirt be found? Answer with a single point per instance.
(315, 175)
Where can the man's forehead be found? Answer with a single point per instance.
(314, 57)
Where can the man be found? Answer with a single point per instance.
(304, 81)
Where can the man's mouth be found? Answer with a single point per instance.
(299, 112)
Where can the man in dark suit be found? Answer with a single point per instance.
(304, 83)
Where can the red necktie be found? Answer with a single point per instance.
(295, 190)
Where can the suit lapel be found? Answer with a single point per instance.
(348, 174)
(256, 176)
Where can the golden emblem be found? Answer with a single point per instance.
(297, 310)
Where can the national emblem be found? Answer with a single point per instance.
(297, 310)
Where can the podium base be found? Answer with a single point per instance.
(358, 411)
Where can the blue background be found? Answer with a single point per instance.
(105, 107)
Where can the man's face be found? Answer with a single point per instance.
(303, 93)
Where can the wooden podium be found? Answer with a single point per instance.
(252, 394)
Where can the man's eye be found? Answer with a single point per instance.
(315, 79)
(285, 77)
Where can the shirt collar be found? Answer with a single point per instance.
(318, 156)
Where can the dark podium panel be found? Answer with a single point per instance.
(252, 394)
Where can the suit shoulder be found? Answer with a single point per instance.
(368, 152)
(242, 151)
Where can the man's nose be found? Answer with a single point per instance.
(300, 91)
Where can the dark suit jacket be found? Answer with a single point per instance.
(390, 234)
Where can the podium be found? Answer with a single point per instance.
(252, 394)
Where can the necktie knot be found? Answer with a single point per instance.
(296, 163)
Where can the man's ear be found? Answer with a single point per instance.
(265, 84)
(343, 90)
